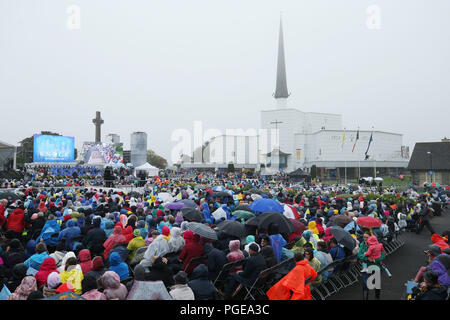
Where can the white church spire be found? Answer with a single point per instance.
(281, 92)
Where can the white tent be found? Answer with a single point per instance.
(147, 167)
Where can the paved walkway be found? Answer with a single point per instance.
(403, 263)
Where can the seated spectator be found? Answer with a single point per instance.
(53, 282)
(72, 275)
(192, 249)
(200, 284)
(98, 268)
(430, 289)
(216, 259)
(180, 290)
(313, 262)
(84, 256)
(159, 270)
(113, 289)
(90, 289)
(118, 266)
(47, 267)
(34, 262)
(235, 254)
(22, 292)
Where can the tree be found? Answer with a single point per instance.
(156, 160)
(230, 167)
(313, 171)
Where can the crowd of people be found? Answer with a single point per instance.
(104, 244)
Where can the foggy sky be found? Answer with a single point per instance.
(157, 66)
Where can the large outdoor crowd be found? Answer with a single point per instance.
(173, 240)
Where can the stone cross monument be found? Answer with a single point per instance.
(98, 121)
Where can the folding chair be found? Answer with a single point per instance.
(197, 260)
(225, 271)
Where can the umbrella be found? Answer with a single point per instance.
(341, 220)
(68, 295)
(266, 205)
(243, 207)
(134, 194)
(368, 222)
(219, 188)
(189, 203)
(219, 213)
(202, 230)
(148, 290)
(175, 206)
(264, 220)
(255, 196)
(192, 214)
(243, 214)
(165, 197)
(221, 194)
(299, 227)
(343, 237)
(434, 184)
(233, 228)
(290, 212)
(9, 196)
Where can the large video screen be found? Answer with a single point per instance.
(48, 148)
(96, 153)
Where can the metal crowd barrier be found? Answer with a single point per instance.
(347, 276)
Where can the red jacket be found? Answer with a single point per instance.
(191, 250)
(16, 221)
(2, 215)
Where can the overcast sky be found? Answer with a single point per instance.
(157, 66)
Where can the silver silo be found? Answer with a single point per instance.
(138, 151)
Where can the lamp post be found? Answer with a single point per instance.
(431, 165)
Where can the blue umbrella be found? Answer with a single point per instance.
(266, 205)
(219, 188)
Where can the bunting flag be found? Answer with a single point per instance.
(368, 146)
(357, 138)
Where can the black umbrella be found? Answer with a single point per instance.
(233, 228)
(134, 194)
(221, 194)
(191, 214)
(341, 220)
(189, 203)
(264, 220)
(9, 196)
(243, 207)
(343, 237)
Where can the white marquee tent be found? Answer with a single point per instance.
(148, 168)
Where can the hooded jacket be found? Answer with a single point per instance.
(48, 266)
(74, 276)
(50, 227)
(441, 265)
(235, 254)
(71, 231)
(22, 292)
(440, 241)
(375, 248)
(116, 238)
(294, 282)
(216, 260)
(16, 221)
(201, 285)
(176, 242)
(85, 260)
(118, 266)
(191, 250)
(181, 292)
(113, 289)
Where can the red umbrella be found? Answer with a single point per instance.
(368, 222)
